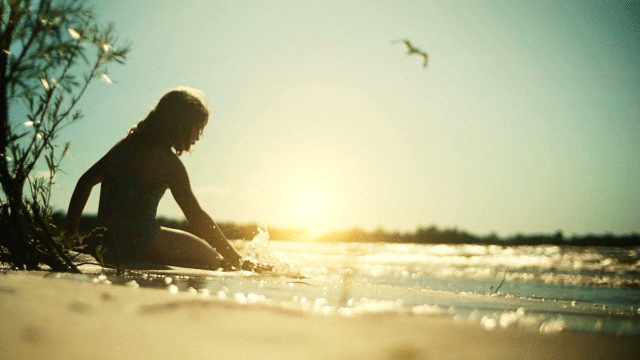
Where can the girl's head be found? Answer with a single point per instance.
(177, 121)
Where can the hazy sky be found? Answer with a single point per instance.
(527, 118)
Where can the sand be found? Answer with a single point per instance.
(50, 318)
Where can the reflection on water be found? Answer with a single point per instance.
(546, 289)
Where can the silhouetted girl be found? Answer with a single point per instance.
(134, 176)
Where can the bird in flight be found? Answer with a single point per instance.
(411, 50)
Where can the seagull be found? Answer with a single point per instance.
(414, 51)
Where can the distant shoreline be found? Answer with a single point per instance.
(423, 235)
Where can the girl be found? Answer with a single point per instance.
(134, 176)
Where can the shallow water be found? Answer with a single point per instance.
(545, 289)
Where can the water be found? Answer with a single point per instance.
(544, 289)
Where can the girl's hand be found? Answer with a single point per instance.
(255, 266)
(70, 239)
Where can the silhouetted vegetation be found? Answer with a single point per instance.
(433, 235)
(428, 235)
(51, 51)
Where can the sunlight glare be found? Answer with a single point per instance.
(309, 207)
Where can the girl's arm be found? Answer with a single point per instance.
(81, 194)
(203, 224)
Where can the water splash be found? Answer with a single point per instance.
(258, 248)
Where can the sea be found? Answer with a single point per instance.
(545, 289)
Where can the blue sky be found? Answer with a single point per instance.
(527, 118)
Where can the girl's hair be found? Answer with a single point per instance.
(172, 122)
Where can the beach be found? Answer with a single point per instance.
(441, 179)
(44, 317)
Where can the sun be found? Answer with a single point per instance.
(309, 209)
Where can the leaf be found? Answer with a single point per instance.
(74, 34)
(65, 150)
(45, 83)
(106, 78)
(77, 115)
(50, 164)
(16, 137)
(106, 47)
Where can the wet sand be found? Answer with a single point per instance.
(50, 318)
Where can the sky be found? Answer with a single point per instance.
(526, 120)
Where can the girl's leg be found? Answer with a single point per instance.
(180, 248)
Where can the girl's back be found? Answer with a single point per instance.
(130, 192)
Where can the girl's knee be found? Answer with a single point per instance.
(179, 248)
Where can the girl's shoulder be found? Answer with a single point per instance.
(139, 150)
(163, 159)
(164, 154)
(138, 155)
